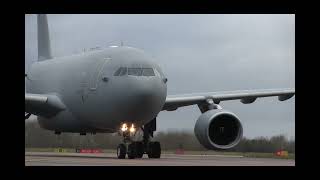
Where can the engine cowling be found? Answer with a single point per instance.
(218, 129)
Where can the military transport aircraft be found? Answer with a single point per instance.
(120, 89)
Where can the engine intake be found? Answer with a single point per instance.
(218, 129)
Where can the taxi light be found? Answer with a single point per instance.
(124, 127)
(132, 129)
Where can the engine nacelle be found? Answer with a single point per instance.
(218, 129)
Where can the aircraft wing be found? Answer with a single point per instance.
(246, 97)
(43, 105)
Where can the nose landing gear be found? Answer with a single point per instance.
(136, 149)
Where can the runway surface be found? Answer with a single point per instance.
(108, 159)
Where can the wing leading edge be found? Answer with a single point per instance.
(246, 97)
(43, 105)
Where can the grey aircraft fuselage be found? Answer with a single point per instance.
(95, 99)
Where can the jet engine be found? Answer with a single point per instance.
(218, 129)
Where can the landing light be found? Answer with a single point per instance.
(124, 127)
(132, 129)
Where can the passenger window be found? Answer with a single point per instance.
(118, 72)
(123, 72)
(135, 71)
(147, 72)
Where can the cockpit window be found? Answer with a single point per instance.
(118, 72)
(123, 71)
(147, 72)
(135, 71)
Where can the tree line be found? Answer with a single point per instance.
(36, 137)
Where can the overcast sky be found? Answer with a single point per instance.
(198, 53)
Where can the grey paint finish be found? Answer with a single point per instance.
(44, 49)
(201, 129)
(43, 105)
(77, 80)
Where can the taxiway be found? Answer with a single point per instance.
(108, 159)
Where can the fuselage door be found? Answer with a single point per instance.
(92, 78)
(95, 79)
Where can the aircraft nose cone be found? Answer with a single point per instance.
(145, 98)
(146, 101)
(146, 95)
